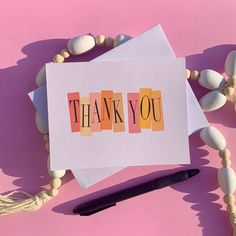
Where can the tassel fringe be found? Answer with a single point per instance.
(10, 204)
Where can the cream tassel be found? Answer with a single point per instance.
(10, 204)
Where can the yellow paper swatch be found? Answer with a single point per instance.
(85, 128)
(145, 108)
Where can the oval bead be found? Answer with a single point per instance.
(41, 77)
(42, 128)
(55, 182)
(65, 53)
(226, 163)
(213, 137)
(225, 153)
(58, 58)
(121, 38)
(230, 64)
(100, 40)
(53, 192)
(227, 180)
(194, 75)
(109, 42)
(211, 79)
(55, 173)
(80, 44)
(188, 73)
(212, 101)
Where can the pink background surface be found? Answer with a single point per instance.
(31, 33)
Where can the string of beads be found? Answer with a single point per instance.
(212, 80)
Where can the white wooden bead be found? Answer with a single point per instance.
(213, 138)
(41, 77)
(81, 44)
(230, 64)
(121, 38)
(55, 173)
(227, 180)
(211, 79)
(42, 128)
(212, 101)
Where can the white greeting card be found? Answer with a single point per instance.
(109, 114)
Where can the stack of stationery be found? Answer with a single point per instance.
(125, 108)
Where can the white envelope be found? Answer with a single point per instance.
(150, 44)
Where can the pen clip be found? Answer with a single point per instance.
(90, 212)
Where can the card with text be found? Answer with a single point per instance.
(109, 114)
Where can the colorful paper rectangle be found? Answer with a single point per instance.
(85, 129)
(106, 109)
(133, 112)
(74, 110)
(95, 111)
(118, 113)
(145, 111)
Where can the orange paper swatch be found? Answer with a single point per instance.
(74, 109)
(157, 111)
(85, 129)
(95, 110)
(118, 113)
(133, 112)
(106, 109)
(145, 108)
